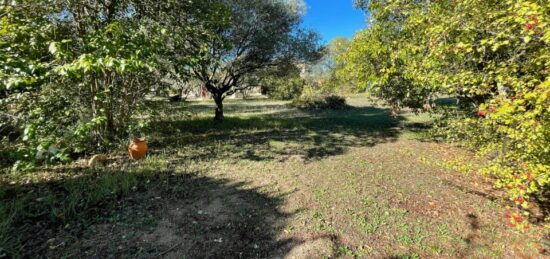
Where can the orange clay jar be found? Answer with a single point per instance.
(137, 148)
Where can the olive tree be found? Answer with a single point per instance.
(258, 34)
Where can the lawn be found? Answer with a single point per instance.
(269, 182)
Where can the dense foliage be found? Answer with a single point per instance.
(493, 56)
(287, 80)
(75, 75)
(282, 82)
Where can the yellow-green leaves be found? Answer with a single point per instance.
(493, 55)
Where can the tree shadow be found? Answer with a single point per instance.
(143, 214)
(489, 196)
(232, 107)
(280, 135)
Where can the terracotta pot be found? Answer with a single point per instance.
(137, 148)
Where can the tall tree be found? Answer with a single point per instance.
(492, 55)
(74, 74)
(322, 72)
(258, 34)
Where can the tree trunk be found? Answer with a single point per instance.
(218, 99)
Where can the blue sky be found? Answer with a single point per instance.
(333, 18)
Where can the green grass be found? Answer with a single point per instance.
(270, 181)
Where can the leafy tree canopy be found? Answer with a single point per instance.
(493, 56)
(258, 34)
(74, 74)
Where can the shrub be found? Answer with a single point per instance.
(514, 134)
(312, 99)
(283, 83)
(286, 88)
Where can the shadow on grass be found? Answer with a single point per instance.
(279, 135)
(143, 214)
(238, 106)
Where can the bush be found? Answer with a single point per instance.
(283, 82)
(513, 132)
(311, 99)
(283, 88)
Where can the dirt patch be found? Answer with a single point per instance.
(163, 235)
(210, 219)
(426, 206)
